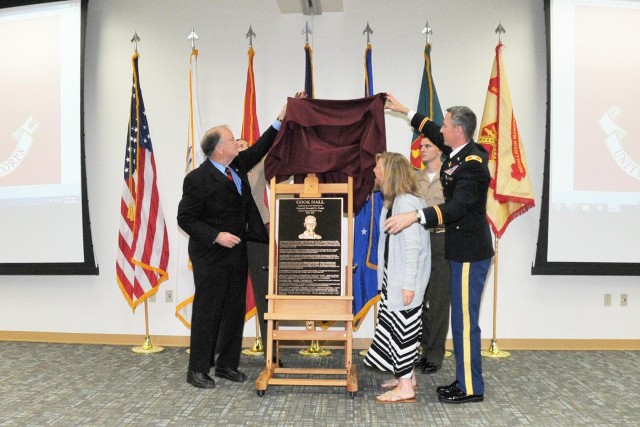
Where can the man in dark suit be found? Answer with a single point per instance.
(468, 245)
(219, 214)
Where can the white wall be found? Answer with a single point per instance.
(463, 50)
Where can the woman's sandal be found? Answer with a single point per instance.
(392, 397)
(393, 383)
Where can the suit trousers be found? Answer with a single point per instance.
(437, 301)
(217, 321)
(467, 283)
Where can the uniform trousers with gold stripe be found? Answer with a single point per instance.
(467, 283)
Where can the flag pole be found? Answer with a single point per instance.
(368, 91)
(493, 350)
(147, 347)
(314, 348)
(364, 352)
(191, 151)
(258, 348)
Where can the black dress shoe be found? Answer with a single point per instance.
(200, 380)
(448, 388)
(421, 363)
(231, 374)
(429, 368)
(460, 397)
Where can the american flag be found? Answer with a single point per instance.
(143, 245)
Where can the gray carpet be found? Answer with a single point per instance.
(95, 385)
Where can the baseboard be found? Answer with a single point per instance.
(358, 343)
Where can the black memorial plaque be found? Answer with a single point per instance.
(309, 246)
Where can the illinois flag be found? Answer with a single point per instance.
(510, 192)
(428, 104)
(143, 247)
(251, 133)
(185, 287)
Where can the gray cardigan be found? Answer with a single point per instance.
(409, 263)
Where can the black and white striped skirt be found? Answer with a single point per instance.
(396, 339)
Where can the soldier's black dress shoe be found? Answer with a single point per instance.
(448, 388)
(231, 374)
(429, 368)
(460, 397)
(200, 380)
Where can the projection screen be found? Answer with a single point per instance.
(591, 200)
(45, 224)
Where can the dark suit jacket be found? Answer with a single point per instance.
(465, 182)
(211, 204)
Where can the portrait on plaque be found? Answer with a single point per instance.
(310, 223)
(309, 246)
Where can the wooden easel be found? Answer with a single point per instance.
(309, 308)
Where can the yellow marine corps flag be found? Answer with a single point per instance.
(510, 192)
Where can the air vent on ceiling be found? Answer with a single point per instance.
(311, 7)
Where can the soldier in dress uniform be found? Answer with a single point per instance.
(468, 245)
(435, 307)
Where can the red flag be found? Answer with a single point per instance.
(143, 246)
(250, 133)
(510, 192)
(308, 71)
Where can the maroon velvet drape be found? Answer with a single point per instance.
(333, 139)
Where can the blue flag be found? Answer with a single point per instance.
(366, 234)
(365, 249)
(368, 72)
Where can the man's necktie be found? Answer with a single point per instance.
(228, 171)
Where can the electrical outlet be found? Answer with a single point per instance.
(607, 300)
(152, 298)
(168, 296)
(624, 300)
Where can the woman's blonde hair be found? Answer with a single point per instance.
(398, 177)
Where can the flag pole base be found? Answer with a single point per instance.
(494, 352)
(315, 350)
(147, 347)
(256, 350)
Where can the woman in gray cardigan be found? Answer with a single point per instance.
(401, 281)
